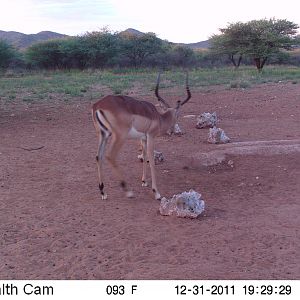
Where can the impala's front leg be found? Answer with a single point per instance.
(150, 152)
(115, 146)
(144, 155)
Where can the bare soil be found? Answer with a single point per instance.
(54, 224)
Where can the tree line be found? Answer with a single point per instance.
(99, 50)
(254, 42)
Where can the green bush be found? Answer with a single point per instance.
(7, 54)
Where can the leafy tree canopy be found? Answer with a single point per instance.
(7, 54)
(258, 39)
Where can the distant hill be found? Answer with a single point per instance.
(195, 46)
(21, 40)
(199, 45)
(131, 31)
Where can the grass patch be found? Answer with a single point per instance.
(92, 84)
(239, 84)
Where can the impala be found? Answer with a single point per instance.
(118, 118)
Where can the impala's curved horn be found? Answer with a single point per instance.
(158, 96)
(189, 95)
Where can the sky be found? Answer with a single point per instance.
(185, 21)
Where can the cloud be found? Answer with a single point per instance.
(64, 16)
(176, 21)
(74, 10)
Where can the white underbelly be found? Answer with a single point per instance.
(134, 134)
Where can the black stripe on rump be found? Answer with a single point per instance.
(100, 122)
(103, 115)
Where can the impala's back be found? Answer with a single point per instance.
(123, 113)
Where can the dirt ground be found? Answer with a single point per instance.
(54, 224)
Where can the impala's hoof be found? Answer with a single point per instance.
(157, 195)
(101, 187)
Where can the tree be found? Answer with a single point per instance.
(94, 50)
(74, 53)
(268, 37)
(100, 47)
(138, 48)
(258, 39)
(7, 54)
(230, 43)
(46, 55)
(182, 56)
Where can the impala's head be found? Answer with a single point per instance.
(171, 112)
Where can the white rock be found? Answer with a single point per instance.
(230, 163)
(184, 205)
(175, 130)
(217, 136)
(207, 120)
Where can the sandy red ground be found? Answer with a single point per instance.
(55, 226)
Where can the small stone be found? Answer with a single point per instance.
(158, 157)
(230, 163)
(175, 130)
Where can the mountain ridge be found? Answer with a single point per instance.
(22, 40)
(198, 45)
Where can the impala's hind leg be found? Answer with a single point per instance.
(103, 135)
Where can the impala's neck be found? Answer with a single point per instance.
(167, 120)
